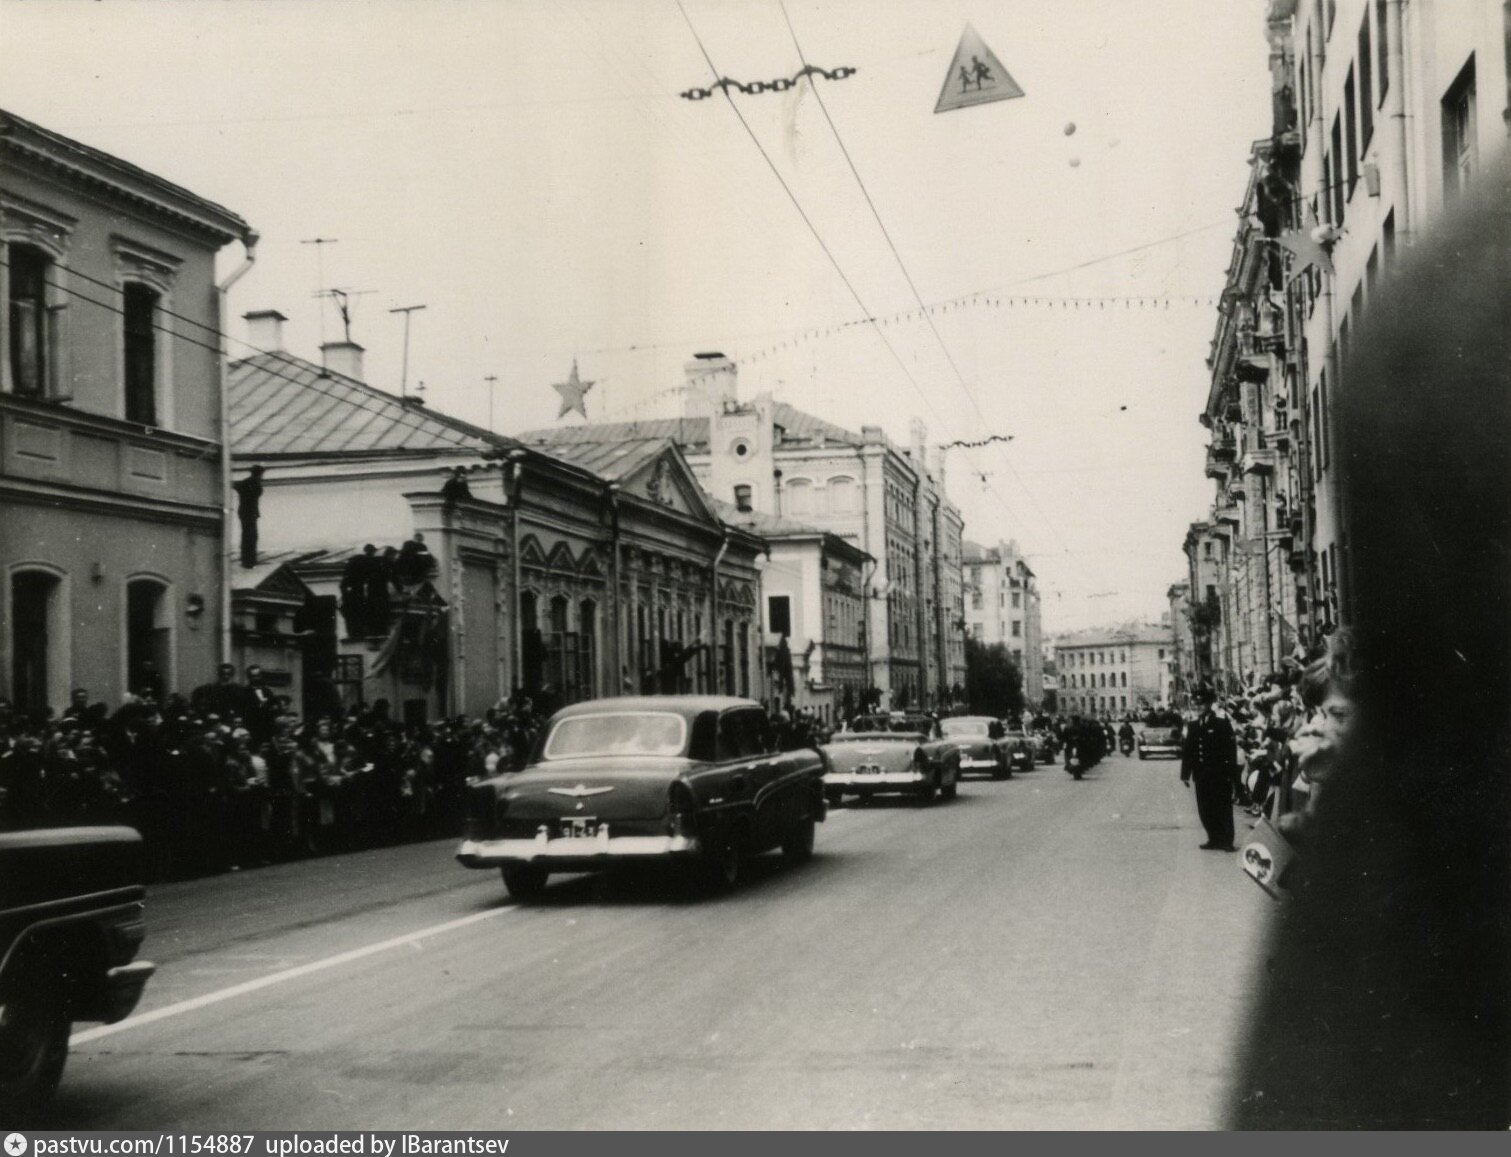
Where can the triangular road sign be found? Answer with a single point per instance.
(976, 76)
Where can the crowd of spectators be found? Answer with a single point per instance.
(231, 776)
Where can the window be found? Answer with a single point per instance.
(1122, 678)
(844, 497)
(1382, 42)
(742, 498)
(1206, 550)
(1017, 600)
(1366, 86)
(148, 637)
(1351, 135)
(140, 309)
(31, 327)
(1303, 95)
(976, 600)
(1017, 628)
(1335, 181)
(978, 629)
(1316, 432)
(799, 497)
(39, 644)
(779, 614)
(1459, 148)
(587, 649)
(1325, 449)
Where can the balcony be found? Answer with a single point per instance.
(1216, 467)
(1229, 513)
(1224, 447)
(1257, 461)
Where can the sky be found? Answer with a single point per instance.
(528, 172)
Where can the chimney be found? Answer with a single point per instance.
(344, 358)
(918, 435)
(265, 330)
(711, 383)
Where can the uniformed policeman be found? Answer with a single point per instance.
(1210, 757)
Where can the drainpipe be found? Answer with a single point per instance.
(713, 610)
(1394, 182)
(516, 488)
(617, 650)
(249, 243)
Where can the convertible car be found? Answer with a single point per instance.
(978, 739)
(914, 762)
(695, 779)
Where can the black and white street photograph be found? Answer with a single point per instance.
(754, 565)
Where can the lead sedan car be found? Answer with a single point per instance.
(694, 779)
(978, 739)
(1159, 741)
(915, 762)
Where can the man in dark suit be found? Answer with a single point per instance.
(1209, 755)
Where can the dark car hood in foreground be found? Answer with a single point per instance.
(637, 787)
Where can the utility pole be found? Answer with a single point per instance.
(406, 310)
(492, 380)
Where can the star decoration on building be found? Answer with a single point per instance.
(1310, 246)
(573, 393)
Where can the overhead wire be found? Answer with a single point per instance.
(913, 287)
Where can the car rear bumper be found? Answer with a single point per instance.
(1172, 751)
(977, 764)
(597, 850)
(124, 986)
(874, 779)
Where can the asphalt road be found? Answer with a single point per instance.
(1037, 953)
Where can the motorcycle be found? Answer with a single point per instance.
(1125, 745)
(1074, 763)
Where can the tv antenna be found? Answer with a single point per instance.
(320, 243)
(342, 298)
(407, 311)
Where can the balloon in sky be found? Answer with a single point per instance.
(1070, 129)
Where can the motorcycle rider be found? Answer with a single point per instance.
(1125, 737)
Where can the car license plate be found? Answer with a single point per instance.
(578, 828)
(868, 769)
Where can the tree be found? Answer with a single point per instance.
(993, 683)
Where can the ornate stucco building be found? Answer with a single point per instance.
(591, 570)
(112, 484)
(1110, 671)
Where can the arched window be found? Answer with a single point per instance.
(560, 645)
(39, 639)
(844, 496)
(149, 637)
(799, 497)
(32, 330)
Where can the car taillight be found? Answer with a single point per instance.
(681, 812)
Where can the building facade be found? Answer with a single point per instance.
(1002, 605)
(600, 570)
(889, 501)
(1384, 112)
(814, 612)
(1110, 672)
(112, 482)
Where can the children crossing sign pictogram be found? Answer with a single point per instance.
(976, 76)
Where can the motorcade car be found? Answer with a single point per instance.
(1159, 741)
(900, 721)
(911, 761)
(979, 740)
(71, 923)
(692, 779)
(1019, 751)
(1044, 747)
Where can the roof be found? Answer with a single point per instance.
(682, 704)
(615, 460)
(776, 528)
(692, 433)
(284, 405)
(28, 136)
(1125, 633)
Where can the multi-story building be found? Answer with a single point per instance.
(1183, 662)
(815, 610)
(1114, 670)
(1002, 605)
(112, 472)
(1383, 113)
(888, 500)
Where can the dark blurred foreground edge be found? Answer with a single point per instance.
(1383, 999)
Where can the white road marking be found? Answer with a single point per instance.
(198, 1002)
